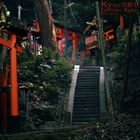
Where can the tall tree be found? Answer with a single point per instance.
(46, 23)
(127, 59)
(3, 15)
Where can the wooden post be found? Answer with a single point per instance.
(13, 121)
(60, 42)
(13, 77)
(3, 111)
(101, 40)
(60, 46)
(3, 100)
(127, 62)
(74, 40)
(122, 21)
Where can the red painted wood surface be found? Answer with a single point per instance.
(13, 78)
(11, 44)
(122, 21)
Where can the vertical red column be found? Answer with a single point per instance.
(13, 78)
(122, 21)
(60, 46)
(60, 41)
(74, 41)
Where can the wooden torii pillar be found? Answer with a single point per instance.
(122, 21)
(60, 36)
(14, 112)
(75, 42)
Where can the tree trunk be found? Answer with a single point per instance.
(46, 23)
(127, 61)
(3, 20)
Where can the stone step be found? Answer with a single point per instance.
(93, 96)
(88, 114)
(84, 115)
(89, 108)
(87, 96)
(84, 80)
(92, 89)
(88, 79)
(77, 99)
(85, 118)
(88, 93)
(86, 110)
(86, 86)
(87, 75)
(89, 72)
(87, 82)
(91, 93)
(90, 67)
(87, 105)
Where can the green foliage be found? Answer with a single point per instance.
(46, 77)
(117, 58)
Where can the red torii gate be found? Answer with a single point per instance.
(59, 32)
(14, 112)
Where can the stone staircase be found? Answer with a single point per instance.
(86, 105)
